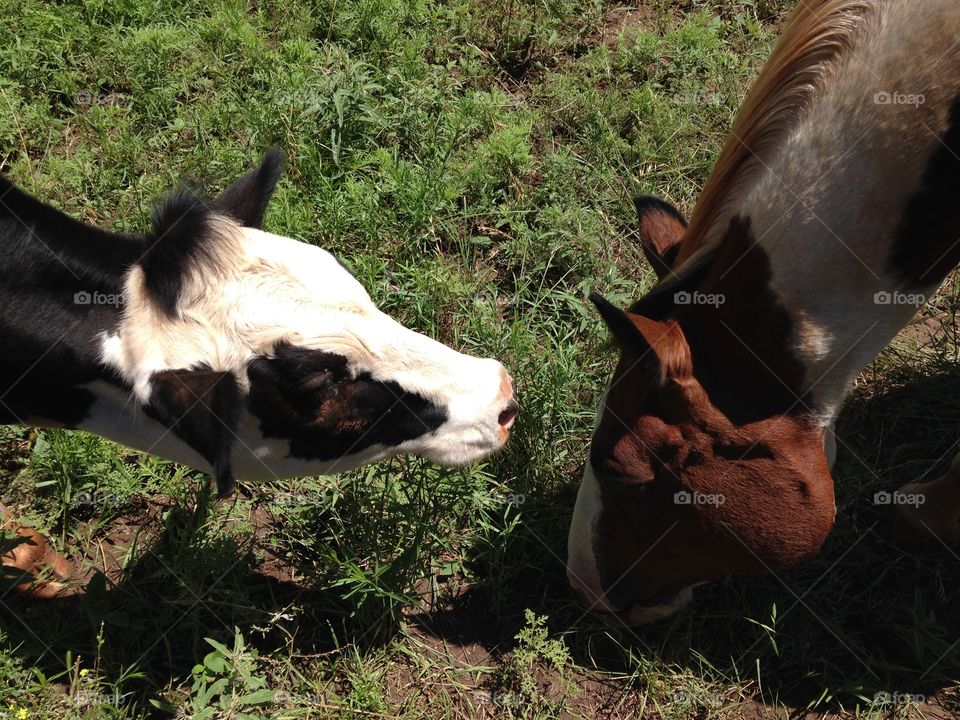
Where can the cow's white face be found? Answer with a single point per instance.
(459, 408)
(292, 366)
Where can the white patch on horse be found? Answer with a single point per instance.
(582, 572)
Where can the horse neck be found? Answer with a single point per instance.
(850, 224)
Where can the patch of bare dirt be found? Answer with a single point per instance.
(466, 678)
(108, 549)
(625, 23)
(925, 330)
(447, 671)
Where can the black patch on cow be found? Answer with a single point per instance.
(48, 351)
(43, 245)
(202, 407)
(309, 397)
(183, 232)
(42, 378)
(50, 324)
(927, 244)
(182, 237)
(247, 198)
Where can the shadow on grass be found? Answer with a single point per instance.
(190, 584)
(868, 615)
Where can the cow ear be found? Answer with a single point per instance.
(662, 228)
(201, 407)
(246, 199)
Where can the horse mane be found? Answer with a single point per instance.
(817, 35)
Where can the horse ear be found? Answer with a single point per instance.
(201, 407)
(662, 228)
(246, 199)
(626, 334)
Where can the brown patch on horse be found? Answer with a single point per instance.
(707, 402)
(769, 495)
(35, 559)
(772, 516)
(742, 343)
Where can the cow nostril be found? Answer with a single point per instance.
(508, 415)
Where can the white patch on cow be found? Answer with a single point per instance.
(266, 288)
(113, 415)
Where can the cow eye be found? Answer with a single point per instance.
(319, 381)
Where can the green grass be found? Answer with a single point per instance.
(473, 163)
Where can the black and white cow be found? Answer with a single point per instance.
(223, 347)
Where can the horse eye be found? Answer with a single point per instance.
(624, 482)
(625, 485)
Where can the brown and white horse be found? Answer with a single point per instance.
(223, 347)
(831, 212)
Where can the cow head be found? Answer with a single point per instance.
(266, 358)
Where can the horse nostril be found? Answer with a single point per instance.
(508, 415)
